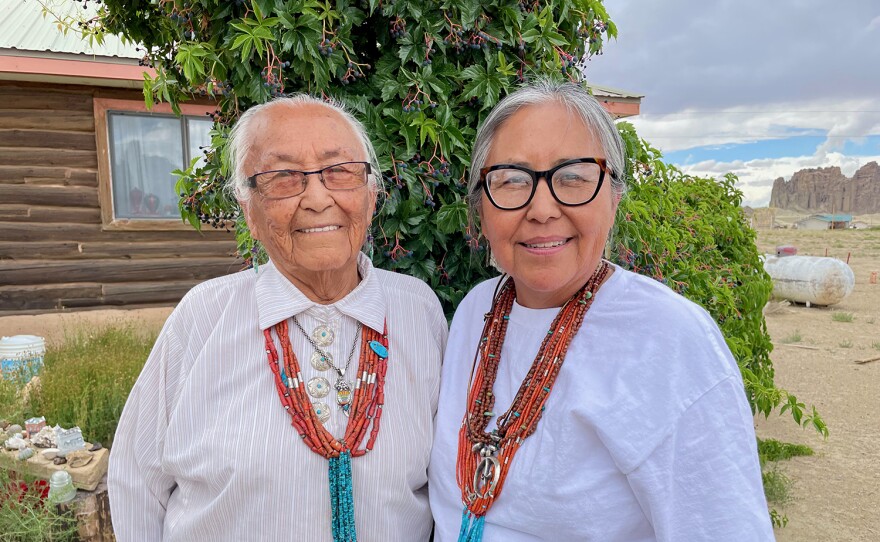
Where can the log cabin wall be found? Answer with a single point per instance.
(56, 253)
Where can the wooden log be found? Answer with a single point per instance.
(29, 213)
(25, 156)
(19, 232)
(44, 296)
(14, 212)
(79, 121)
(869, 360)
(48, 175)
(128, 293)
(29, 194)
(800, 346)
(43, 251)
(71, 250)
(48, 139)
(45, 98)
(24, 272)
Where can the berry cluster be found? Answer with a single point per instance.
(398, 251)
(327, 47)
(415, 100)
(353, 72)
(398, 28)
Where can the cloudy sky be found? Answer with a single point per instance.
(761, 88)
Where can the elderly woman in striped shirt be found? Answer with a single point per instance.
(296, 402)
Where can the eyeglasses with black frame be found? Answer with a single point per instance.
(572, 183)
(287, 183)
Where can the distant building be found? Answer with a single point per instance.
(824, 222)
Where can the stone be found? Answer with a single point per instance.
(95, 447)
(79, 458)
(59, 460)
(15, 443)
(45, 438)
(25, 453)
(3, 425)
(828, 190)
(49, 453)
(13, 430)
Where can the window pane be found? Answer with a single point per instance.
(144, 150)
(197, 130)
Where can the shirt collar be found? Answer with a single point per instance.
(278, 299)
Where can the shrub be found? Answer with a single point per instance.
(86, 381)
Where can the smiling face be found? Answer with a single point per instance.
(549, 249)
(313, 238)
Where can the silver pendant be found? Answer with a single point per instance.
(323, 335)
(321, 362)
(343, 394)
(318, 387)
(322, 410)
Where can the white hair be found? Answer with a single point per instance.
(241, 138)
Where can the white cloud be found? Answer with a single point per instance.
(756, 176)
(840, 121)
(874, 24)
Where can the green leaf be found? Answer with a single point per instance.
(452, 217)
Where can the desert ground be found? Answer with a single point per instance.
(836, 492)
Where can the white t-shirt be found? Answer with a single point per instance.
(647, 434)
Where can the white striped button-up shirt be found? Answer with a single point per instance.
(205, 451)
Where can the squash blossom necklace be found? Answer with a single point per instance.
(364, 413)
(484, 458)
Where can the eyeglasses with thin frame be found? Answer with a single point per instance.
(572, 183)
(287, 183)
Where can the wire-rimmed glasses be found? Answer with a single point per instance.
(287, 183)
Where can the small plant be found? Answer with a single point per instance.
(793, 338)
(776, 450)
(875, 345)
(86, 381)
(840, 316)
(845, 344)
(25, 515)
(777, 486)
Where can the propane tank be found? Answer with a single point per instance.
(810, 279)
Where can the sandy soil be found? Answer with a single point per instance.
(836, 495)
(53, 327)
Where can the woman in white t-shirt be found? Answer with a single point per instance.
(580, 401)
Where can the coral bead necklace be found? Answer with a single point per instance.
(365, 413)
(484, 458)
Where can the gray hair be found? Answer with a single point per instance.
(240, 142)
(579, 103)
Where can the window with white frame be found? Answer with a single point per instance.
(144, 149)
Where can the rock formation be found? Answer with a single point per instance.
(827, 190)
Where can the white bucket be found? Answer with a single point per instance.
(21, 356)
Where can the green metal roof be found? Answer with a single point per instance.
(834, 218)
(24, 30)
(601, 90)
